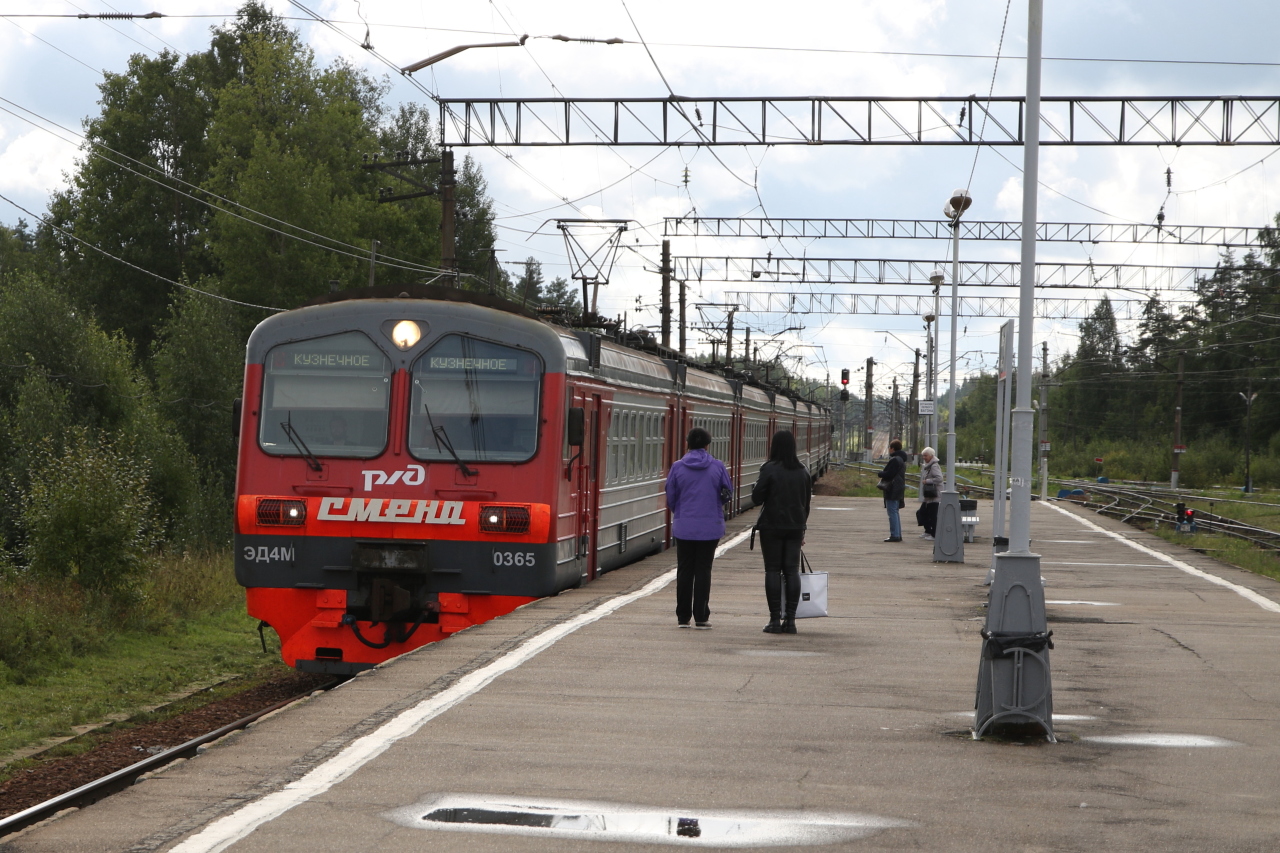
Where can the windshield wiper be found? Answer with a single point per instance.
(443, 438)
(299, 444)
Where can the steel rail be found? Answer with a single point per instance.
(98, 789)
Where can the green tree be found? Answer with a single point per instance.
(562, 294)
(528, 287)
(17, 249)
(198, 363)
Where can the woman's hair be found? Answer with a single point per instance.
(783, 449)
(698, 439)
(895, 445)
(929, 451)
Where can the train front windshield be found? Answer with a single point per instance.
(328, 396)
(476, 397)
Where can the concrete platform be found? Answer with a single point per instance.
(855, 730)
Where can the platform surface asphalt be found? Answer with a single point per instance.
(860, 716)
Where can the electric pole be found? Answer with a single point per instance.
(1044, 420)
(448, 242)
(869, 428)
(1177, 424)
(1249, 396)
(666, 295)
(894, 413)
(913, 406)
(682, 320)
(728, 340)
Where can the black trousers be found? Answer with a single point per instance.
(781, 550)
(693, 578)
(931, 518)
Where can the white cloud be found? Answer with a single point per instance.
(30, 165)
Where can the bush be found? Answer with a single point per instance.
(88, 516)
(44, 626)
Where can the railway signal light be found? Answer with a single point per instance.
(844, 376)
(844, 395)
(1184, 519)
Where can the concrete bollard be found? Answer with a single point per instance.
(948, 536)
(1015, 690)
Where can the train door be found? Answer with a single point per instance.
(598, 413)
(584, 502)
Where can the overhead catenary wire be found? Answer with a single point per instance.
(142, 270)
(348, 248)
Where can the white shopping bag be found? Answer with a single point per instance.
(813, 591)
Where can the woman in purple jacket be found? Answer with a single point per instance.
(698, 487)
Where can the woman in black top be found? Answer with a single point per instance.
(894, 476)
(783, 488)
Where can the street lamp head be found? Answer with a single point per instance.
(936, 277)
(957, 204)
(929, 318)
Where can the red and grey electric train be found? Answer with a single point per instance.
(412, 465)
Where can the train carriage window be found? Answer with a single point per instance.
(476, 397)
(611, 443)
(333, 392)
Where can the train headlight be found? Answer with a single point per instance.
(405, 334)
(504, 519)
(278, 511)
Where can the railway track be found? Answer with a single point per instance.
(118, 780)
(1147, 505)
(1158, 506)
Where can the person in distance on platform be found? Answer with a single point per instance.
(894, 480)
(930, 488)
(784, 489)
(698, 487)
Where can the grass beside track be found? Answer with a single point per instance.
(194, 633)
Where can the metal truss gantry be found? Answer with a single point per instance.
(755, 302)
(680, 121)
(1231, 236)
(793, 271)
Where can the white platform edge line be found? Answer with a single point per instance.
(1243, 591)
(227, 830)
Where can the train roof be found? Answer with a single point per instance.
(567, 350)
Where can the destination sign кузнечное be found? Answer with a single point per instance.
(488, 365)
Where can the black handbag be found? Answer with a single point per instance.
(882, 485)
(930, 490)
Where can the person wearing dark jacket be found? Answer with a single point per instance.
(894, 477)
(783, 490)
(698, 487)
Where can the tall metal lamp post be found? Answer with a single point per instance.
(948, 543)
(1015, 689)
(931, 368)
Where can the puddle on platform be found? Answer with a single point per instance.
(777, 653)
(1092, 603)
(1162, 740)
(598, 821)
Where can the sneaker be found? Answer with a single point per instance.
(683, 625)
(703, 626)
(927, 537)
(924, 535)
(894, 539)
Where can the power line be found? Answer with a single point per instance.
(89, 245)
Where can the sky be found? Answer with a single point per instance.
(51, 66)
